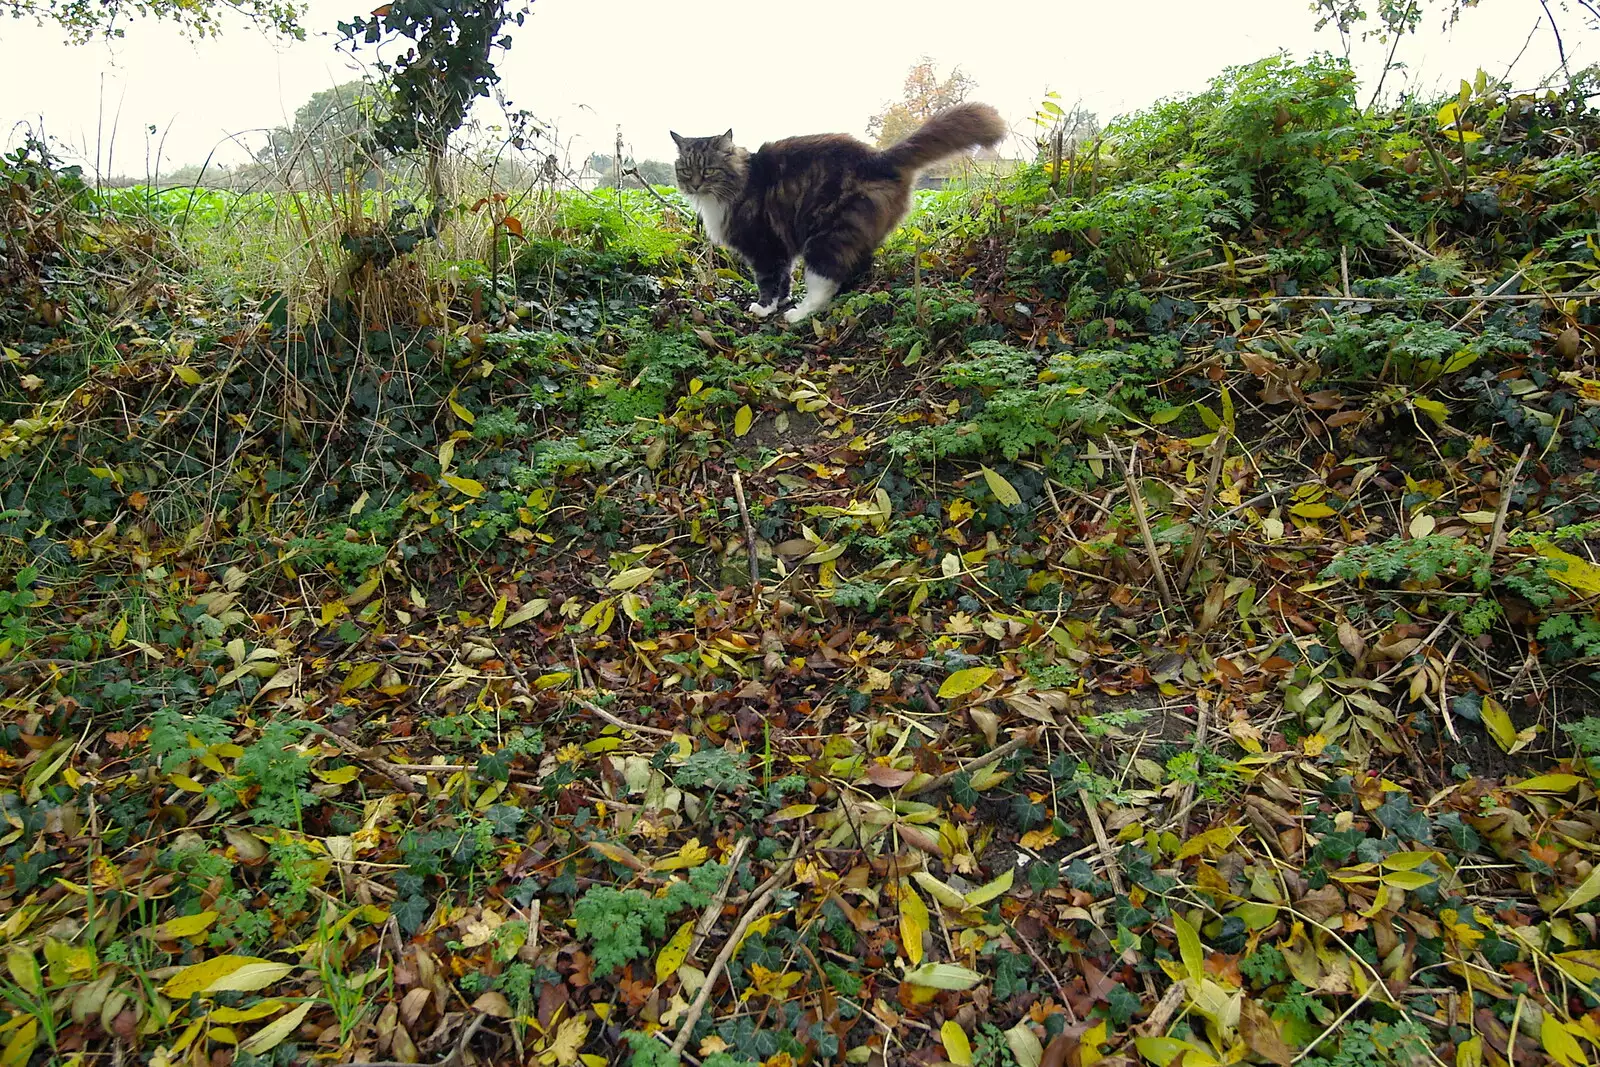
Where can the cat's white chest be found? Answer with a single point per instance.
(714, 213)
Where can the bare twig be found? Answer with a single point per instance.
(1160, 1015)
(708, 918)
(1495, 293)
(1136, 498)
(1505, 502)
(994, 755)
(601, 713)
(1561, 47)
(749, 534)
(354, 751)
(768, 890)
(1388, 63)
(663, 201)
(1107, 856)
(1202, 522)
(1416, 249)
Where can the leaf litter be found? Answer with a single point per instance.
(1160, 648)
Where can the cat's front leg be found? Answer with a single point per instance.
(772, 280)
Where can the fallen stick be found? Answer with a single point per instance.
(622, 724)
(749, 535)
(768, 890)
(994, 755)
(1136, 498)
(1092, 810)
(1203, 516)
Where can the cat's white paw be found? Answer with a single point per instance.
(795, 314)
(761, 311)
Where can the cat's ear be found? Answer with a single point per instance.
(677, 140)
(726, 140)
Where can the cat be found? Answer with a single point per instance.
(828, 199)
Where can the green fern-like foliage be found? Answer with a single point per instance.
(618, 920)
(1424, 560)
(1024, 407)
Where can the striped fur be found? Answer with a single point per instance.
(827, 199)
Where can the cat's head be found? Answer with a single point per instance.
(710, 166)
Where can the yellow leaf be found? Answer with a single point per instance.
(19, 1050)
(1211, 843)
(1407, 861)
(985, 893)
(246, 1015)
(1559, 1042)
(497, 614)
(341, 776)
(531, 610)
(600, 617)
(189, 375)
(943, 976)
(1470, 1052)
(940, 892)
(186, 926)
(963, 682)
(198, 977)
(1189, 949)
(470, 486)
(674, 952)
(913, 922)
(1024, 1046)
(249, 978)
(462, 413)
(1577, 574)
(631, 578)
(187, 784)
(742, 421)
(274, 1033)
(1587, 891)
(1548, 783)
(1498, 723)
(569, 1038)
(1163, 1050)
(1312, 511)
(360, 675)
(24, 969)
(957, 1049)
(1431, 408)
(692, 854)
(1408, 879)
(119, 632)
(1003, 490)
(1089, 1048)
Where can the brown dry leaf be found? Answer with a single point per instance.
(888, 777)
(1261, 1034)
(493, 1003)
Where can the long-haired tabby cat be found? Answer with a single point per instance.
(827, 199)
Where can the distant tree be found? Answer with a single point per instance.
(329, 132)
(924, 95)
(84, 20)
(653, 170)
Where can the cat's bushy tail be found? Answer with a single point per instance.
(953, 130)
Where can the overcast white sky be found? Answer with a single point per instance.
(700, 66)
